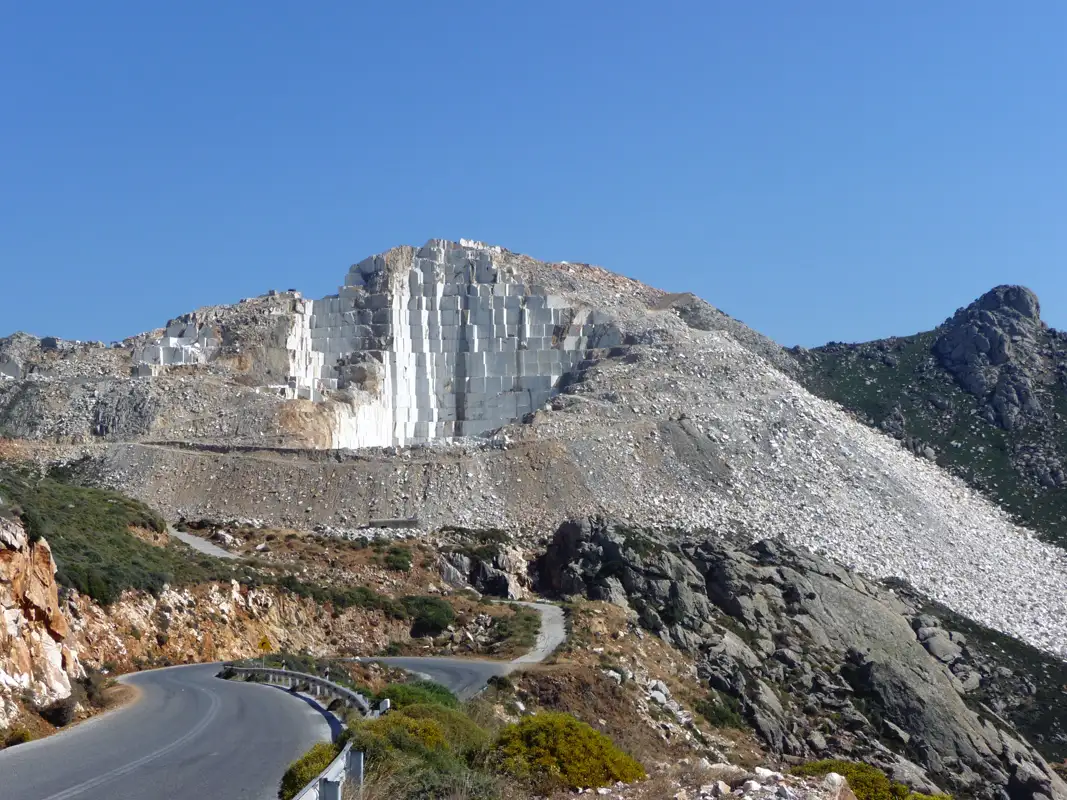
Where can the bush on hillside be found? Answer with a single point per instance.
(520, 629)
(721, 711)
(398, 558)
(429, 615)
(89, 533)
(17, 736)
(305, 769)
(866, 782)
(462, 734)
(60, 713)
(380, 739)
(418, 693)
(553, 749)
(430, 782)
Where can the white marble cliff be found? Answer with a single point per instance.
(417, 346)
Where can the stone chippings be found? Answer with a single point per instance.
(770, 459)
(675, 416)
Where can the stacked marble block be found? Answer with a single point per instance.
(183, 342)
(307, 366)
(463, 348)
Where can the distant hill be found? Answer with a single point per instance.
(984, 395)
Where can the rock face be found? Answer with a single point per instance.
(989, 346)
(824, 661)
(426, 344)
(33, 657)
(499, 571)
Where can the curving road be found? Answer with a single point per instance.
(465, 677)
(190, 736)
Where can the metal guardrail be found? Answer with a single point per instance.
(317, 687)
(329, 784)
(348, 765)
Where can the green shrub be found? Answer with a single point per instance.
(866, 782)
(418, 693)
(721, 711)
(553, 749)
(429, 615)
(462, 734)
(431, 782)
(520, 629)
(341, 598)
(305, 769)
(60, 713)
(17, 736)
(398, 558)
(381, 738)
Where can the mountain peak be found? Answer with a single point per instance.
(1010, 298)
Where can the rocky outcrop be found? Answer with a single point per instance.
(35, 663)
(822, 661)
(989, 347)
(496, 570)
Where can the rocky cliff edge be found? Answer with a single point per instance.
(34, 662)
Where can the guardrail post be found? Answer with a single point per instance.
(329, 790)
(354, 768)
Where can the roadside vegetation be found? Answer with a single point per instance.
(306, 768)
(432, 747)
(866, 782)
(89, 694)
(94, 538)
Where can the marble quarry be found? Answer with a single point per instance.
(420, 345)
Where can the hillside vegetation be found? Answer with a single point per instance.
(92, 536)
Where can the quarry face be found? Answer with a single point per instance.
(421, 345)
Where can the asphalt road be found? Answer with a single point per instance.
(200, 544)
(190, 736)
(465, 677)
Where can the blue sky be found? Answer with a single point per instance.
(824, 170)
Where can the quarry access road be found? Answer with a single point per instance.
(465, 677)
(189, 736)
(200, 544)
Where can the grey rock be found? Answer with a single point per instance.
(860, 642)
(941, 647)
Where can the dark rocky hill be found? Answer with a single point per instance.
(818, 660)
(984, 395)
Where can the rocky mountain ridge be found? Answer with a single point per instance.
(984, 395)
